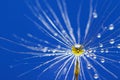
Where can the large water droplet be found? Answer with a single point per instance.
(102, 51)
(118, 46)
(95, 15)
(111, 27)
(45, 49)
(89, 66)
(96, 76)
(112, 41)
(99, 35)
(106, 50)
(102, 60)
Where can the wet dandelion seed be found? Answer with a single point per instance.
(74, 50)
(77, 50)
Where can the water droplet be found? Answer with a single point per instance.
(89, 66)
(94, 57)
(95, 14)
(112, 41)
(99, 35)
(49, 50)
(94, 51)
(96, 76)
(111, 27)
(102, 51)
(118, 46)
(54, 51)
(100, 45)
(90, 51)
(55, 34)
(87, 55)
(102, 60)
(106, 50)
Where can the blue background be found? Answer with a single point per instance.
(17, 23)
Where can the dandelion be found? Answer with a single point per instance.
(72, 51)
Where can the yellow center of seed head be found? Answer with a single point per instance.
(77, 50)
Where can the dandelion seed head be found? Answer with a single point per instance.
(77, 50)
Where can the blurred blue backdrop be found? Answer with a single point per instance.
(17, 23)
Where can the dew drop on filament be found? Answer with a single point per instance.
(102, 50)
(96, 76)
(118, 46)
(102, 60)
(100, 45)
(112, 41)
(89, 66)
(99, 35)
(95, 14)
(111, 27)
(106, 50)
(55, 34)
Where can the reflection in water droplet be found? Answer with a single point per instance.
(99, 35)
(100, 45)
(102, 60)
(90, 51)
(112, 41)
(106, 50)
(89, 66)
(111, 27)
(94, 57)
(95, 15)
(118, 46)
(96, 76)
(102, 50)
